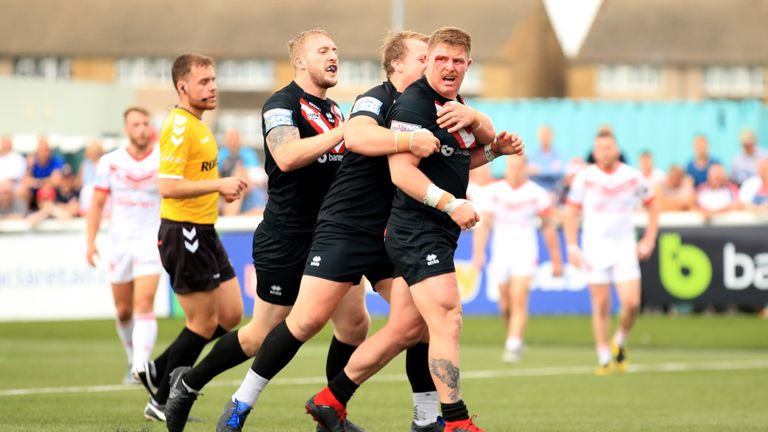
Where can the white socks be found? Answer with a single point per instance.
(603, 354)
(125, 332)
(620, 338)
(144, 336)
(425, 408)
(251, 388)
(513, 343)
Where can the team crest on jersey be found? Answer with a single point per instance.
(367, 103)
(277, 117)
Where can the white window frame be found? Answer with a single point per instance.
(49, 67)
(629, 78)
(733, 81)
(245, 74)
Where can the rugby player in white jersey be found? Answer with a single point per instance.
(512, 208)
(606, 195)
(129, 176)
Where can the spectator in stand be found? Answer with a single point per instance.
(717, 195)
(545, 166)
(87, 173)
(653, 176)
(42, 165)
(753, 193)
(236, 160)
(698, 167)
(676, 192)
(58, 199)
(744, 164)
(11, 205)
(13, 166)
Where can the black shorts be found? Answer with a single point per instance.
(420, 251)
(193, 256)
(279, 265)
(342, 256)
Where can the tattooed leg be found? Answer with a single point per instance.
(445, 372)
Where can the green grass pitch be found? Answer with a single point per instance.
(690, 374)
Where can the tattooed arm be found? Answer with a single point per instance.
(292, 152)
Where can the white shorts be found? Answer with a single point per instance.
(624, 267)
(134, 258)
(513, 263)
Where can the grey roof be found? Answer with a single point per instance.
(238, 28)
(678, 32)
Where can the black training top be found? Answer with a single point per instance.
(448, 169)
(295, 196)
(360, 198)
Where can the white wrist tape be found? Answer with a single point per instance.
(454, 204)
(488, 150)
(433, 195)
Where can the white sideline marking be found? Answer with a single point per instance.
(478, 374)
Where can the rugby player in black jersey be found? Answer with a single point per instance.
(303, 132)
(348, 240)
(421, 240)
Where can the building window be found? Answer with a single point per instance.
(248, 122)
(144, 70)
(473, 81)
(734, 81)
(51, 68)
(629, 78)
(362, 73)
(245, 75)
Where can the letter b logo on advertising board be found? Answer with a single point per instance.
(685, 270)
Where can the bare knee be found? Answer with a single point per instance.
(124, 312)
(305, 327)
(448, 326)
(229, 319)
(353, 328)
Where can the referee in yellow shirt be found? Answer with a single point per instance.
(201, 274)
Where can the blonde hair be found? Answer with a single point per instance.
(451, 36)
(297, 43)
(394, 47)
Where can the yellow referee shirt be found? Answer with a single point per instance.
(188, 150)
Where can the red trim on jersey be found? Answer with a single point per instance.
(303, 102)
(615, 167)
(103, 189)
(648, 201)
(614, 190)
(142, 157)
(573, 203)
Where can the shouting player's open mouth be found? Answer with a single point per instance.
(332, 69)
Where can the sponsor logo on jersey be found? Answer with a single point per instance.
(403, 126)
(277, 117)
(209, 165)
(367, 103)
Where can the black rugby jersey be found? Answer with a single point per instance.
(360, 197)
(294, 197)
(448, 169)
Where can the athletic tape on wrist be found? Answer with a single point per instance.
(489, 154)
(433, 195)
(453, 205)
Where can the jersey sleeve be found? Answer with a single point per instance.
(406, 120)
(543, 200)
(645, 191)
(101, 178)
(370, 104)
(279, 111)
(174, 148)
(576, 193)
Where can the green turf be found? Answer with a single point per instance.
(552, 390)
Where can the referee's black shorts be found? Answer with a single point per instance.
(342, 255)
(279, 264)
(193, 256)
(420, 251)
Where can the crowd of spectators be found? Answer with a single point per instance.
(42, 185)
